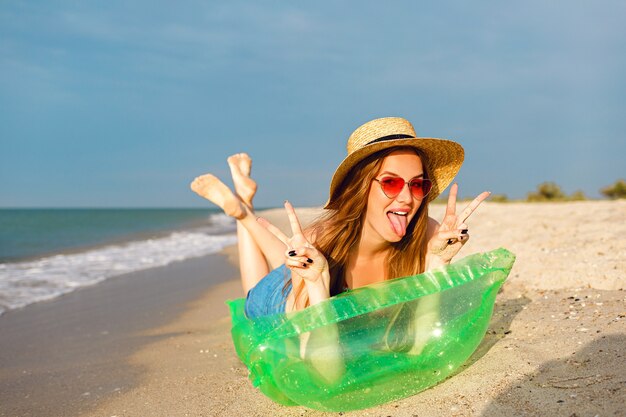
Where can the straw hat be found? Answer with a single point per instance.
(443, 157)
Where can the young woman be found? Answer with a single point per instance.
(376, 226)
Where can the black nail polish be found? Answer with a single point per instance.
(292, 253)
(309, 260)
(464, 231)
(305, 265)
(449, 241)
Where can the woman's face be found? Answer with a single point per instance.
(387, 218)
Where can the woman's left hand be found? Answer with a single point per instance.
(453, 232)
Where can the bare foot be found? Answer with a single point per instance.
(240, 165)
(214, 190)
(242, 161)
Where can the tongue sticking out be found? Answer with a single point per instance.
(398, 223)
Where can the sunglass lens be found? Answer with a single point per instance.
(392, 186)
(420, 187)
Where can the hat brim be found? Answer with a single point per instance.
(443, 161)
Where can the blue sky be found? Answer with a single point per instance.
(121, 104)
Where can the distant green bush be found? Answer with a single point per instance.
(498, 198)
(617, 190)
(547, 191)
(550, 191)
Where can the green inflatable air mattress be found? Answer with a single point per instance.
(377, 343)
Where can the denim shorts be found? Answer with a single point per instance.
(269, 295)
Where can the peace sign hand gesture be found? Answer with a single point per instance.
(301, 257)
(452, 233)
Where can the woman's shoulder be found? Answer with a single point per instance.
(432, 227)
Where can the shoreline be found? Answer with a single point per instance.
(40, 279)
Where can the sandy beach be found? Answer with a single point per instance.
(556, 344)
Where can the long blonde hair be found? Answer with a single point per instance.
(338, 231)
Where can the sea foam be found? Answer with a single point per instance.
(24, 283)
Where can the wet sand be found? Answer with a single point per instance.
(63, 357)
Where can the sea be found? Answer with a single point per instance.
(45, 253)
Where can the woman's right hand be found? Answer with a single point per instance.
(301, 257)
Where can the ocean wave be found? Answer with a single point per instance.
(223, 222)
(46, 278)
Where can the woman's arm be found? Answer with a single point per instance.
(321, 346)
(444, 242)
